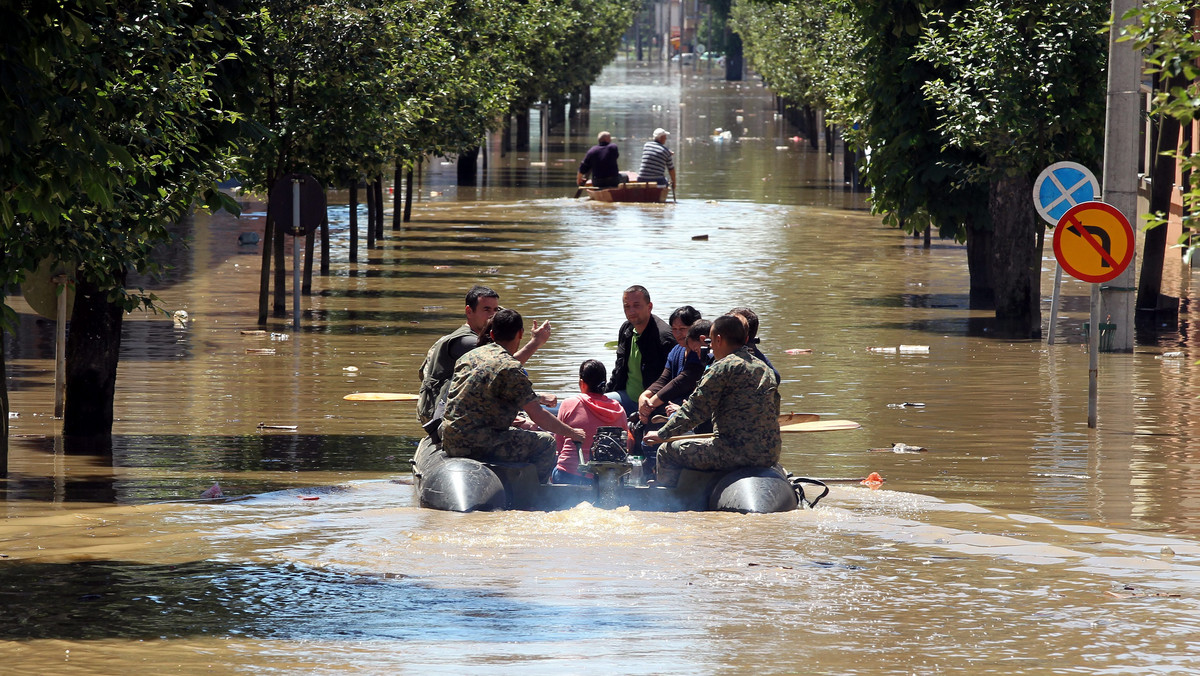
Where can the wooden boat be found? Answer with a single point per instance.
(466, 485)
(631, 191)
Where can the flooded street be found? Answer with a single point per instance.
(1020, 541)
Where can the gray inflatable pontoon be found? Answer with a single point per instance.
(466, 485)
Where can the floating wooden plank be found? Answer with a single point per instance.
(380, 396)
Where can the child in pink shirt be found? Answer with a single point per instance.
(588, 410)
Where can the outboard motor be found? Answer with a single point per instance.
(609, 463)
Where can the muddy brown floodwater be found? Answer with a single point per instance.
(1020, 541)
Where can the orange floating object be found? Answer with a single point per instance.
(873, 480)
(309, 497)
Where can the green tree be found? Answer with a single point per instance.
(1019, 86)
(122, 117)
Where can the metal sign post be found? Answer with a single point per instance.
(1094, 242)
(299, 201)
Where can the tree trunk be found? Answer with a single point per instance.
(1164, 134)
(523, 131)
(397, 196)
(310, 245)
(377, 187)
(93, 349)
(354, 220)
(280, 302)
(370, 216)
(467, 168)
(408, 195)
(733, 56)
(506, 135)
(979, 246)
(264, 284)
(3, 409)
(1016, 267)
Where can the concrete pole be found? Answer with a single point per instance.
(1121, 150)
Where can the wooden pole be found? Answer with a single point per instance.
(325, 245)
(279, 305)
(378, 187)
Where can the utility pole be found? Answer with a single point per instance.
(1121, 150)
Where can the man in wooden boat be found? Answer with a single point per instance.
(643, 343)
(740, 394)
(438, 366)
(657, 159)
(601, 163)
(489, 387)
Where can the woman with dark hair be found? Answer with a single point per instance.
(682, 371)
(586, 411)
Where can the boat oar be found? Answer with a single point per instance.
(380, 396)
(784, 418)
(815, 426)
(578, 192)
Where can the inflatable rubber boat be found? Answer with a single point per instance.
(466, 485)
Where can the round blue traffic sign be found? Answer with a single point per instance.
(1061, 186)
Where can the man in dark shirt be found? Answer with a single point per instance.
(601, 163)
(642, 347)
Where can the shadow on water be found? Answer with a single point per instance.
(143, 468)
(94, 600)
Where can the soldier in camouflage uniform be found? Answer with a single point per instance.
(740, 394)
(489, 386)
(438, 367)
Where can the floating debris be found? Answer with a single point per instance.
(260, 350)
(886, 350)
(382, 363)
(13, 414)
(872, 481)
(441, 267)
(214, 492)
(907, 404)
(781, 147)
(280, 337)
(247, 238)
(537, 164)
(1129, 592)
(1172, 355)
(914, 349)
(431, 308)
(799, 350)
(258, 332)
(264, 426)
(180, 317)
(699, 238)
(309, 497)
(350, 369)
(490, 271)
(435, 193)
(899, 447)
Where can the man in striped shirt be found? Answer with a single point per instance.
(656, 159)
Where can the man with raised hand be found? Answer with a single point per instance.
(438, 366)
(487, 390)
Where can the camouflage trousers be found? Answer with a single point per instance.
(514, 445)
(707, 455)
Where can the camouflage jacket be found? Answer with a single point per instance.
(741, 395)
(488, 388)
(436, 371)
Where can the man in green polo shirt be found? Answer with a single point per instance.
(642, 347)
